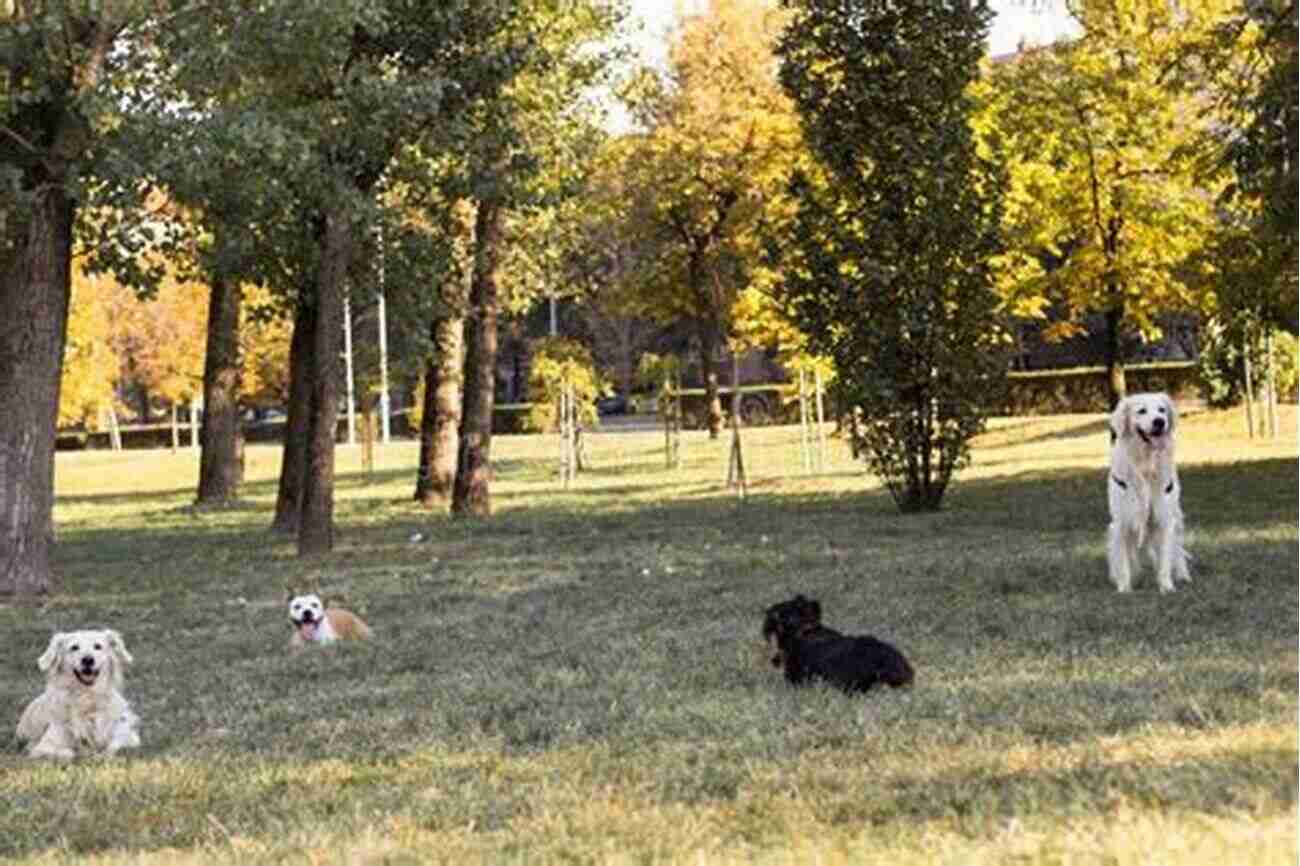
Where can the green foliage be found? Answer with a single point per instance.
(653, 370)
(887, 266)
(1252, 59)
(1102, 204)
(558, 363)
(1221, 362)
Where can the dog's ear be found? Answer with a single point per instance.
(815, 609)
(52, 659)
(1121, 420)
(118, 646)
(1172, 410)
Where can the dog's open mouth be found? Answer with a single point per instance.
(1150, 436)
(85, 676)
(307, 628)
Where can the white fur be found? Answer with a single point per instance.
(307, 613)
(82, 708)
(313, 622)
(1144, 493)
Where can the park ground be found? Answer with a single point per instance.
(580, 678)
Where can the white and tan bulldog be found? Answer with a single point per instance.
(313, 622)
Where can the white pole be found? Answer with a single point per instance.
(383, 368)
(196, 403)
(383, 347)
(347, 355)
(554, 322)
(821, 422)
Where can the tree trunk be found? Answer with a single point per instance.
(293, 462)
(316, 529)
(142, 394)
(440, 422)
(1116, 383)
(219, 469)
(35, 281)
(471, 494)
(709, 371)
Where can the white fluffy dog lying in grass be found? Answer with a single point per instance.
(1144, 493)
(82, 708)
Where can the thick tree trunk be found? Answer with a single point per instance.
(440, 421)
(1117, 385)
(35, 284)
(293, 462)
(709, 370)
(219, 464)
(316, 529)
(474, 472)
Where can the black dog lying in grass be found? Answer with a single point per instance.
(802, 614)
(809, 650)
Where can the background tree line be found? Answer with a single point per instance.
(853, 182)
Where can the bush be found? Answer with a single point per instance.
(557, 360)
(1221, 367)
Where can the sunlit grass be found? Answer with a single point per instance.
(580, 679)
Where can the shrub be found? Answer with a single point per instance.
(557, 360)
(1221, 365)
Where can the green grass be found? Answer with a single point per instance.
(580, 679)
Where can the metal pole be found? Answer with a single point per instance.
(347, 355)
(555, 325)
(383, 348)
(195, 404)
(385, 433)
(821, 421)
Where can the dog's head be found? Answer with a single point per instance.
(88, 659)
(790, 618)
(1149, 417)
(306, 613)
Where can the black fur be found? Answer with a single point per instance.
(802, 614)
(854, 664)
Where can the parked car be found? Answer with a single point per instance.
(614, 404)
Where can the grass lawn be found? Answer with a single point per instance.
(580, 678)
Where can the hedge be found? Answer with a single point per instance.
(1083, 390)
(1076, 390)
(506, 418)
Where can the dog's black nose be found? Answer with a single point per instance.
(307, 616)
(1157, 424)
(87, 662)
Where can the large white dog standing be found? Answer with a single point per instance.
(82, 708)
(1144, 493)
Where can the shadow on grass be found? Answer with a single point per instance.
(1083, 429)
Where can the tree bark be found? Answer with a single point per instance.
(316, 528)
(219, 464)
(440, 421)
(35, 286)
(709, 338)
(471, 493)
(1115, 379)
(293, 461)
